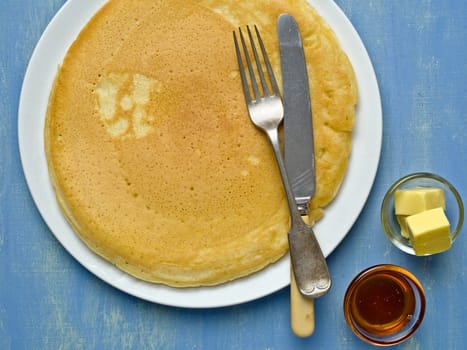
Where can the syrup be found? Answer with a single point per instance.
(383, 303)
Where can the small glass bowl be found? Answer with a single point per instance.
(384, 305)
(454, 207)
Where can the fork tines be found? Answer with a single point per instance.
(256, 94)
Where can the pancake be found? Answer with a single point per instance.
(151, 152)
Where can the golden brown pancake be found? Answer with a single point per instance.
(151, 152)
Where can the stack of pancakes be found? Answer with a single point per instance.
(151, 151)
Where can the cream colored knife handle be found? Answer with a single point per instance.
(302, 311)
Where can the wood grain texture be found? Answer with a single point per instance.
(48, 301)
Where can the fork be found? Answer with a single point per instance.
(266, 112)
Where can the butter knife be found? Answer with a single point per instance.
(298, 153)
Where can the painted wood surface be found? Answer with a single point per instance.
(48, 301)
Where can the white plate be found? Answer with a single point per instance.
(330, 231)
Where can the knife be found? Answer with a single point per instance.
(298, 128)
(298, 148)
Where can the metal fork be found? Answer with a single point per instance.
(266, 112)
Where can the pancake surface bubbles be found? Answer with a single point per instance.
(151, 152)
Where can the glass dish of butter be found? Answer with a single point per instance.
(422, 214)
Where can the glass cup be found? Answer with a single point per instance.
(454, 207)
(384, 305)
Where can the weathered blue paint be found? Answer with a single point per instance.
(48, 301)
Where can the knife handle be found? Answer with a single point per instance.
(302, 311)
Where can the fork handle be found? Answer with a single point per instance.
(308, 262)
(275, 143)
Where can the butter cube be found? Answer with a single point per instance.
(415, 200)
(429, 231)
(402, 221)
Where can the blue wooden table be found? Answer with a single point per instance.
(49, 301)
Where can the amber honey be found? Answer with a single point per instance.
(384, 305)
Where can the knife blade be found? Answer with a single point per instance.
(298, 129)
(298, 149)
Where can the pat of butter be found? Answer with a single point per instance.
(429, 231)
(415, 200)
(402, 221)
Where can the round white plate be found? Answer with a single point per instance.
(339, 218)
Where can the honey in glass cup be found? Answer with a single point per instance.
(384, 305)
